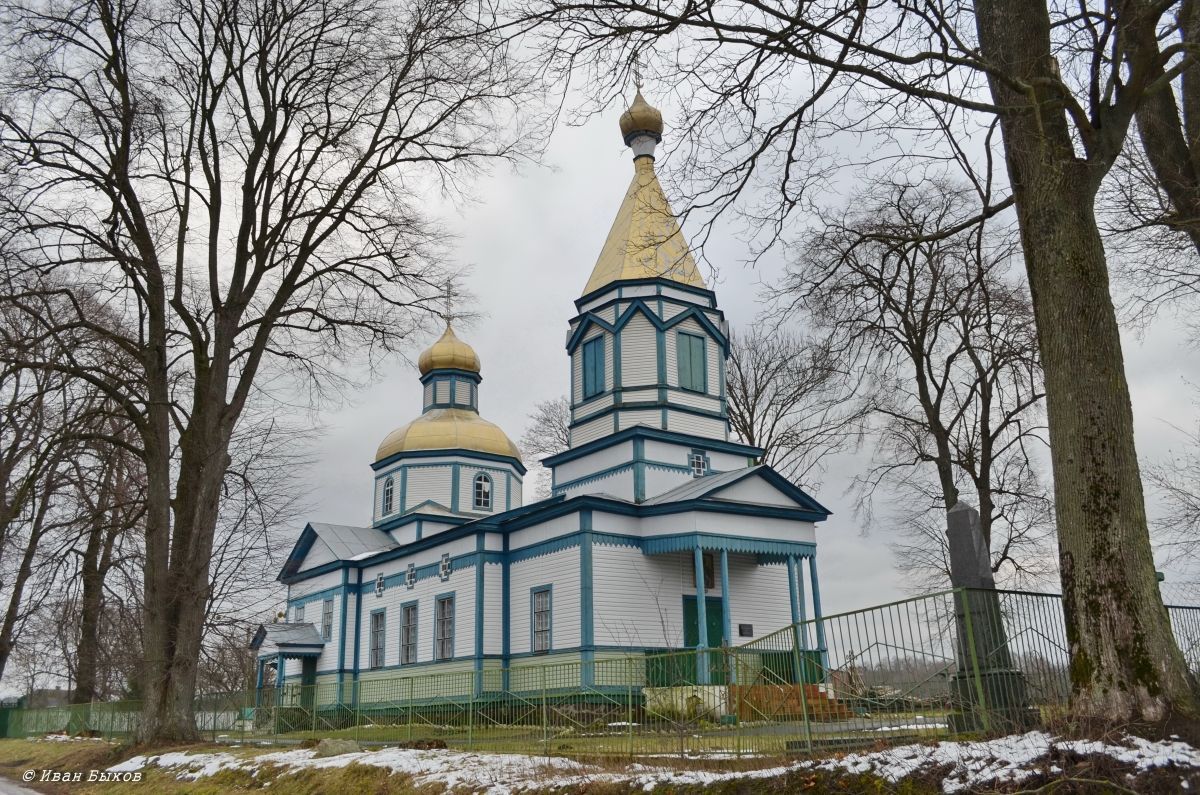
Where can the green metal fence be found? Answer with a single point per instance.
(956, 663)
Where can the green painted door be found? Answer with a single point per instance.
(716, 634)
(713, 618)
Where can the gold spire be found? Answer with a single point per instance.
(645, 241)
(449, 352)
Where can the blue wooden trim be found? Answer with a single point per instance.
(449, 453)
(316, 596)
(791, 490)
(505, 615)
(548, 547)
(558, 506)
(479, 615)
(403, 489)
(726, 612)
(453, 623)
(549, 589)
(595, 476)
(587, 600)
(701, 617)
(454, 472)
(425, 572)
(682, 542)
(382, 613)
(660, 352)
(685, 439)
(342, 630)
(721, 377)
(656, 281)
(419, 529)
(617, 360)
(357, 630)
(415, 514)
(637, 305)
(816, 596)
(639, 469)
(450, 371)
(794, 599)
(416, 634)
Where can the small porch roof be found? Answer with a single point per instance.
(289, 640)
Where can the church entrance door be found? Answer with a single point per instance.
(715, 623)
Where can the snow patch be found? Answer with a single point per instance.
(971, 765)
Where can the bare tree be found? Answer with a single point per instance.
(1176, 480)
(548, 433)
(766, 84)
(243, 187)
(944, 335)
(792, 397)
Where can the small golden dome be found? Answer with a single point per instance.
(448, 429)
(641, 117)
(449, 352)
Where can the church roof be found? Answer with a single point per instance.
(448, 429)
(287, 635)
(698, 487)
(710, 486)
(353, 543)
(645, 241)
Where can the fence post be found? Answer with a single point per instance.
(629, 701)
(545, 716)
(471, 717)
(798, 667)
(410, 708)
(356, 690)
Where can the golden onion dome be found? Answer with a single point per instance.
(448, 429)
(449, 352)
(641, 117)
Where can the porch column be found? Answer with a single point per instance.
(701, 618)
(817, 620)
(794, 597)
(726, 617)
(258, 683)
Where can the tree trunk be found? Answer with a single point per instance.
(108, 523)
(1125, 664)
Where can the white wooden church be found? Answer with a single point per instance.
(662, 532)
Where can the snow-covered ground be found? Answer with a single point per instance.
(971, 764)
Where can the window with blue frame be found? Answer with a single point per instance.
(327, 620)
(483, 492)
(693, 365)
(540, 606)
(443, 641)
(298, 614)
(389, 492)
(376, 660)
(408, 633)
(593, 367)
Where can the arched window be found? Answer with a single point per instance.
(389, 491)
(483, 492)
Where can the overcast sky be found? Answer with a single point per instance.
(530, 241)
